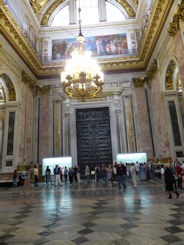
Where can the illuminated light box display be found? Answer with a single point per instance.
(52, 162)
(131, 157)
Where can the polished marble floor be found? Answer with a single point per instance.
(91, 214)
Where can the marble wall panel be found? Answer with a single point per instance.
(145, 144)
(44, 127)
(160, 129)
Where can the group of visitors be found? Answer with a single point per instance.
(73, 174)
(171, 175)
(25, 177)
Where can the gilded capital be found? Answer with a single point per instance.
(44, 89)
(153, 68)
(27, 79)
(139, 82)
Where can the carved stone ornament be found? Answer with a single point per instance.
(10, 87)
(153, 68)
(179, 15)
(169, 75)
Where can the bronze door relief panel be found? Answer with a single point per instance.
(93, 137)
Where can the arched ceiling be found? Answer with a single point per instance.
(41, 5)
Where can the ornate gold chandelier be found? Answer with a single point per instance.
(81, 78)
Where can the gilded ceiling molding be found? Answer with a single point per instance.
(38, 6)
(15, 35)
(159, 8)
(153, 68)
(27, 79)
(169, 75)
(174, 25)
(49, 11)
(9, 86)
(127, 7)
(139, 82)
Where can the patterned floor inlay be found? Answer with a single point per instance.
(91, 214)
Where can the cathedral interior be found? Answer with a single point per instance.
(139, 46)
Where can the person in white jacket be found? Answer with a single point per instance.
(133, 175)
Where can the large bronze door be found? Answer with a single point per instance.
(93, 137)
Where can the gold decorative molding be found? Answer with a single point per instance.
(139, 82)
(50, 10)
(16, 37)
(153, 68)
(131, 13)
(1, 44)
(158, 15)
(38, 6)
(9, 86)
(169, 75)
(135, 2)
(179, 15)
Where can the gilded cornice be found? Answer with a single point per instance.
(179, 15)
(50, 10)
(131, 13)
(158, 15)
(169, 75)
(14, 34)
(9, 86)
(152, 69)
(38, 6)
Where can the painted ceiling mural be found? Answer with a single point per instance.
(39, 5)
(99, 46)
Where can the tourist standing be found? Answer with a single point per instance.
(47, 175)
(65, 174)
(169, 181)
(15, 178)
(87, 173)
(57, 175)
(133, 175)
(35, 173)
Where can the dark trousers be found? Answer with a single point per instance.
(180, 182)
(35, 180)
(121, 181)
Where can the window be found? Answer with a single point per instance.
(89, 11)
(113, 13)
(61, 18)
